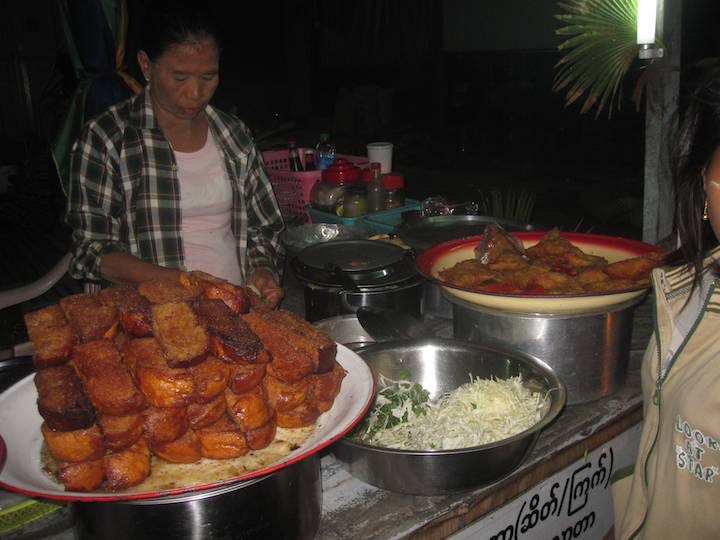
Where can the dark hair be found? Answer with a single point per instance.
(167, 23)
(697, 135)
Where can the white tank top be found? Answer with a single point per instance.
(206, 203)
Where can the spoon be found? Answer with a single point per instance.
(390, 325)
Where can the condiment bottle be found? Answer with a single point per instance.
(354, 200)
(327, 195)
(376, 190)
(309, 160)
(294, 158)
(395, 185)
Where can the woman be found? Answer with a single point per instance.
(164, 182)
(674, 490)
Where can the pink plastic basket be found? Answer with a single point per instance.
(292, 189)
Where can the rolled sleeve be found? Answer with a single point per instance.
(265, 222)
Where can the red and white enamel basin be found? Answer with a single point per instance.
(445, 255)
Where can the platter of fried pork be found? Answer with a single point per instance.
(172, 386)
(550, 272)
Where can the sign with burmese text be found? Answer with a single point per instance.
(574, 503)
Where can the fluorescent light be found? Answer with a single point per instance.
(646, 18)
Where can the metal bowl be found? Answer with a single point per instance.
(441, 365)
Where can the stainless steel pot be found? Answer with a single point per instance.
(341, 276)
(589, 351)
(283, 504)
(441, 365)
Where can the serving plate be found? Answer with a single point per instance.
(20, 429)
(445, 255)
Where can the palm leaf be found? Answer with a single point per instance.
(598, 51)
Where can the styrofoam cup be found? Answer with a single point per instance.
(381, 152)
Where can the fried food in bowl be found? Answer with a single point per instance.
(542, 272)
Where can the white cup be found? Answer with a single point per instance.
(381, 152)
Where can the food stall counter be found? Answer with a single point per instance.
(563, 485)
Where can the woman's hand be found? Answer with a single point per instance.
(264, 282)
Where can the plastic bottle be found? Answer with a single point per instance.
(324, 152)
(294, 158)
(376, 191)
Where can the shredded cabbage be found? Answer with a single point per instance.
(479, 412)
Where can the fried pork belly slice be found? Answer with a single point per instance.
(561, 255)
(509, 261)
(165, 424)
(133, 307)
(163, 291)
(184, 449)
(469, 273)
(249, 410)
(62, 401)
(89, 317)
(210, 377)
(261, 437)
(121, 431)
(286, 396)
(557, 283)
(182, 338)
(74, 446)
(214, 288)
(222, 439)
(306, 337)
(522, 281)
(231, 339)
(289, 363)
(303, 415)
(201, 415)
(127, 467)
(84, 476)
(496, 243)
(244, 377)
(636, 268)
(326, 387)
(592, 277)
(161, 385)
(107, 379)
(52, 336)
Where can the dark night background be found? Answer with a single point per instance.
(461, 87)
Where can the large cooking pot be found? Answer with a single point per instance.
(343, 275)
(589, 351)
(283, 504)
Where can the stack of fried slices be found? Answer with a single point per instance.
(181, 370)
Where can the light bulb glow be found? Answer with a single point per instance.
(646, 19)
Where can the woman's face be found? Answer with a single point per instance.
(183, 79)
(712, 192)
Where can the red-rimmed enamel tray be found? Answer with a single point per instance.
(20, 429)
(445, 255)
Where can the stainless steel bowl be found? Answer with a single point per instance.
(441, 365)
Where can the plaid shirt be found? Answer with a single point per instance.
(125, 196)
